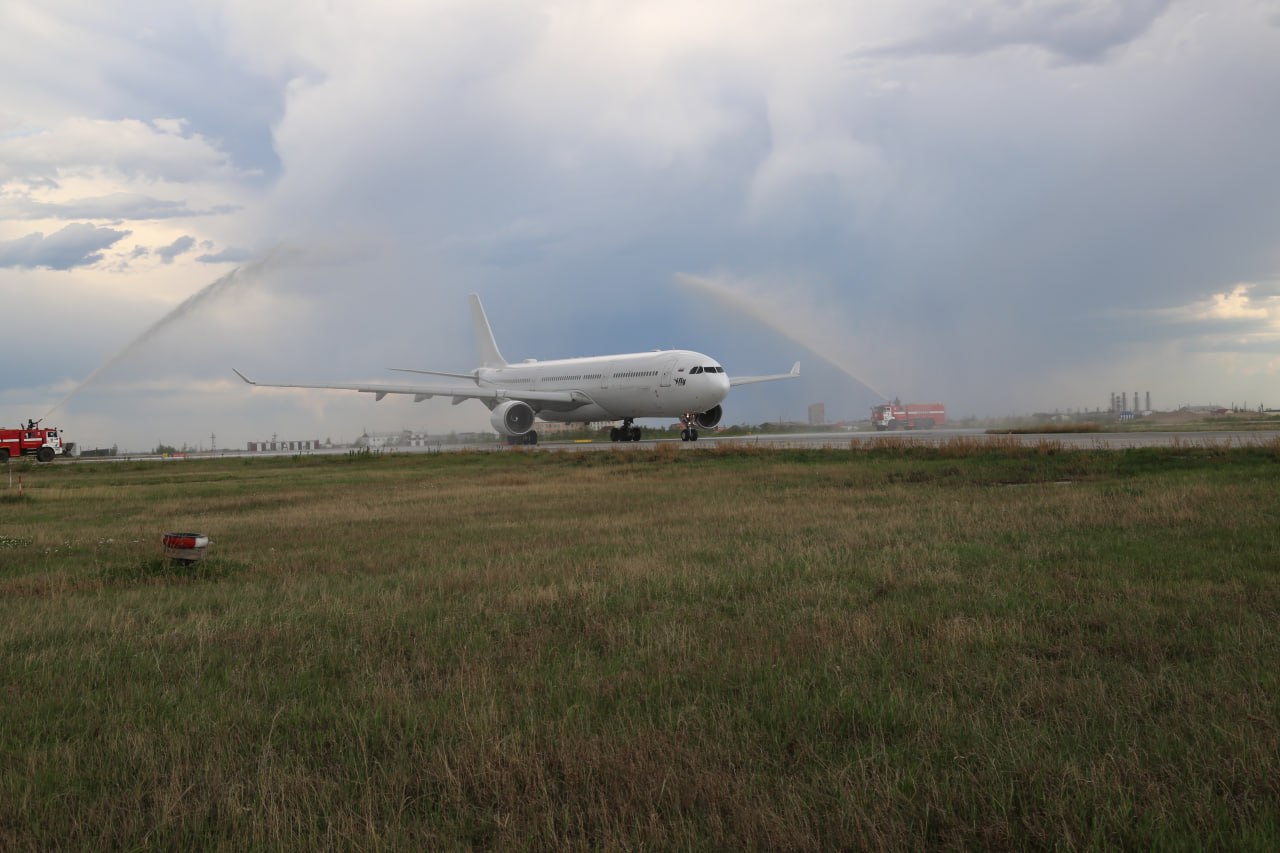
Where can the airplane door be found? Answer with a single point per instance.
(667, 366)
(605, 375)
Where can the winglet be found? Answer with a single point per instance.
(795, 369)
(242, 376)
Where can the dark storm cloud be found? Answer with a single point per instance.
(1072, 30)
(965, 219)
(77, 245)
(956, 218)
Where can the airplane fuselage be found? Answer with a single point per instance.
(669, 383)
(662, 384)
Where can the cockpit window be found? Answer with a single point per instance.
(695, 370)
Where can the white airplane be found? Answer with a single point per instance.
(662, 384)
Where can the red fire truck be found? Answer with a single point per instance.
(31, 440)
(897, 415)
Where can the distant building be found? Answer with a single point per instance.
(389, 440)
(284, 446)
(553, 427)
(817, 414)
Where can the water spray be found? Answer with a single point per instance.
(202, 297)
(776, 319)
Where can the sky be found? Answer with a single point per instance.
(1006, 206)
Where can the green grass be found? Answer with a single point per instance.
(1164, 422)
(974, 645)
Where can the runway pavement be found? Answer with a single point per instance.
(1070, 441)
(813, 440)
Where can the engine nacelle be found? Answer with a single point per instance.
(513, 417)
(709, 418)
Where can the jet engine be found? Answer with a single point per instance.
(709, 418)
(514, 417)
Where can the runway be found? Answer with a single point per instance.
(847, 440)
(804, 441)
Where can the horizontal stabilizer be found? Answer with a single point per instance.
(470, 376)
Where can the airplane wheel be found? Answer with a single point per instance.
(684, 435)
(613, 434)
(693, 435)
(531, 437)
(635, 433)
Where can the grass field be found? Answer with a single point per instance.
(978, 645)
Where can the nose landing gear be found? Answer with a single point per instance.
(689, 432)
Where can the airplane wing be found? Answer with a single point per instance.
(751, 380)
(560, 400)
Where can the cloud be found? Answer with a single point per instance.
(948, 216)
(128, 147)
(116, 207)
(1247, 308)
(228, 255)
(76, 245)
(1078, 31)
(1237, 304)
(177, 247)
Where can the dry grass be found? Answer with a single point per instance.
(969, 645)
(1049, 429)
(955, 447)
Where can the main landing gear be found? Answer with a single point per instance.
(627, 432)
(689, 432)
(530, 437)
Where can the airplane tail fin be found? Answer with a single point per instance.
(490, 356)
